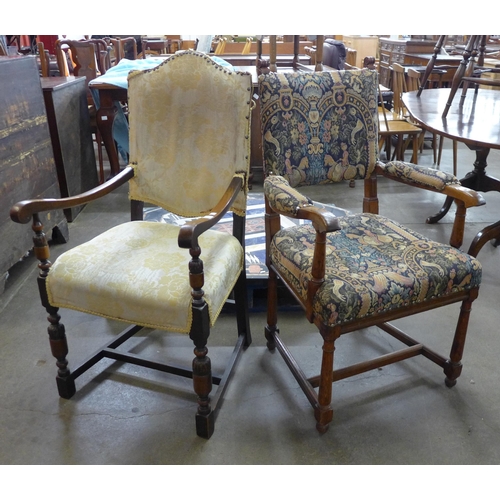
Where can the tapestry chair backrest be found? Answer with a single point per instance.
(189, 133)
(319, 127)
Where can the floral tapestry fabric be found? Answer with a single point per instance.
(424, 176)
(373, 265)
(282, 197)
(319, 127)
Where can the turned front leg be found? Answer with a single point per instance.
(453, 366)
(200, 331)
(59, 348)
(57, 335)
(324, 411)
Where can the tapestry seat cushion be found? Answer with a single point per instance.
(142, 276)
(373, 265)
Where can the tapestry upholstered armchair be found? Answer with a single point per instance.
(359, 270)
(189, 129)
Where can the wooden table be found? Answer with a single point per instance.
(476, 123)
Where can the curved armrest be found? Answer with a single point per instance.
(430, 179)
(189, 232)
(22, 211)
(287, 201)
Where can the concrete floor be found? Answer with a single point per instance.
(402, 414)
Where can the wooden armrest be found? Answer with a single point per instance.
(468, 196)
(322, 220)
(23, 211)
(189, 232)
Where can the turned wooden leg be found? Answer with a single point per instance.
(453, 367)
(324, 411)
(57, 335)
(202, 371)
(202, 383)
(370, 199)
(272, 313)
(59, 348)
(200, 331)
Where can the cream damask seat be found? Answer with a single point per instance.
(361, 270)
(189, 129)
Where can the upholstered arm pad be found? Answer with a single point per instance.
(189, 232)
(282, 197)
(287, 201)
(22, 211)
(431, 179)
(415, 174)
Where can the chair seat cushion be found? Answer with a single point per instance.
(373, 265)
(136, 272)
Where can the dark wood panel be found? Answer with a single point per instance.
(27, 168)
(69, 125)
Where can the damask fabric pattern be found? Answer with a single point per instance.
(202, 143)
(142, 276)
(373, 265)
(423, 176)
(319, 127)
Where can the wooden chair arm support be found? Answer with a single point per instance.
(286, 200)
(23, 211)
(322, 220)
(189, 232)
(469, 197)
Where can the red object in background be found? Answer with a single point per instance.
(24, 41)
(49, 42)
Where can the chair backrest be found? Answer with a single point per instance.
(334, 53)
(247, 46)
(82, 55)
(351, 57)
(175, 42)
(44, 60)
(221, 46)
(128, 48)
(189, 133)
(399, 88)
(413, 79)
(62, 58)
(319, 127)
(124, 48)
(102, 52)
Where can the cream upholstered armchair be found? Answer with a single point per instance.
(189, 129)
(360, 270)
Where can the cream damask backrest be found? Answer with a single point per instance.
(185, 144)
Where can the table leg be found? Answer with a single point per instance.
(479, 181)
(491, 232)
(444, 210)
(105, 118)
